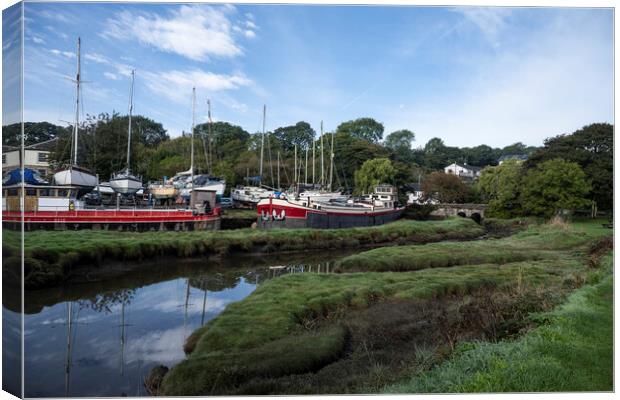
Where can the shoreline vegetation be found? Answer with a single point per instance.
(51, 256)
(408, 310)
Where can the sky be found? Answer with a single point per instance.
(468, 75)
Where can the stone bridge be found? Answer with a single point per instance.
(474, 211)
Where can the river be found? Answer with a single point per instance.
(102, 338)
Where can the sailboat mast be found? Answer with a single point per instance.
(331, 165)
(313, 160)
(306, 168)
(322, 162)
(295, 172)
(279, 170)
(210, 138)
(262, 147)
(130, 112)
(77, 103)
(193, 126)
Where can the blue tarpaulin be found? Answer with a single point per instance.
(31, 177)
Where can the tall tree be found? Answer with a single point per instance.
(444, 188)
(363, 128)
(592, 148)
(500, 186)
(372, 173)
(552, 186)
(300, 134)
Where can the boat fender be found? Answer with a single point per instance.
(264, 216)
(71, 205)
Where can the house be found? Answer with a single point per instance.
(414, 194)
(518, 157)
(463, 170)
(36, 157)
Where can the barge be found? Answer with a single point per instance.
(376, 209)
(57, 207)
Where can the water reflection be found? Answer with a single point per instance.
(102, 339)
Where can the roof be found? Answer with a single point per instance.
(505, 157)
(469, 167)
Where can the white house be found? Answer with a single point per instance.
(36, 157)
(463, 170)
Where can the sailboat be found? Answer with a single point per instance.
(74, 175)
(124, 182)
(251, 195)
(186, 181)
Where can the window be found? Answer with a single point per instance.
(31, 192)
(12, 192)
(42, 157)
(44, 192)
(4, 159)
(62, 192)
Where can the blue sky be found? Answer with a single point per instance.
(467, 75)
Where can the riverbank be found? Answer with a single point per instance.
(571, 351)
(358, 332)
(50, 256)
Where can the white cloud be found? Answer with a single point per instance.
(554, 84)
(68, 54)
(249, 34)
(196, 32)
(38, 40)
(250, 24)
(183, 81)
(111, 76)
(98, 58)
(490, 20)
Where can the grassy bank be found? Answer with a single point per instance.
(361, 326)
(571, 351)
(50, 255)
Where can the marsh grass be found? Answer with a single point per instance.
(292, 306)
(571, 351)
(50, 255)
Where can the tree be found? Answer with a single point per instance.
(500, 186)
(372, 173)
(592, 148)
(300, 134)
(363, 128)
(350, 153)
(34, 132)
(553, 186)
(481, 156)
(437, 155)
(400, 139)
(445, 188)
(399, 143)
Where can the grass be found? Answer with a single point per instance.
(50, 255)
(571, 351)
(535, 243)
(292, 306)
(239, 213)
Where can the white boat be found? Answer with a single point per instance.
(250, 194)
(75, 175)
(125, 182)
(322, 196)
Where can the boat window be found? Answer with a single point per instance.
(13, 192)
(62, 192)
(31, 192)
(72, 192)
(44, 192)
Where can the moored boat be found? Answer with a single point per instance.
(74, 175)
(379, 208)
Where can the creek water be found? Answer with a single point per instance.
(102, 338)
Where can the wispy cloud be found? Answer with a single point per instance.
(68, 54)
(196, 32)
(183, 81)
(111, 76)
(491, 21)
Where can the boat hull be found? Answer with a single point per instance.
(276, 213)
(125, 185)
(166, 192)
(84, 181)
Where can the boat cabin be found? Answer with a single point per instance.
(385, 195)
(40, 198)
